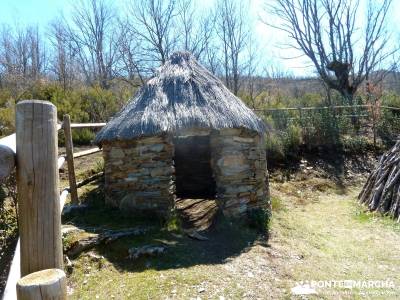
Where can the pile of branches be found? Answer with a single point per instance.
(381, 192)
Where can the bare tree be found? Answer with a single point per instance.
(326, 31)
(195, 29)
(38, 59)
(233, 32)
(95, 37)
(131, 66)
(22, 57)
(152, 24)
(253, 82)
(64, 61)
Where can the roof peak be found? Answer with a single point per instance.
(178, 57)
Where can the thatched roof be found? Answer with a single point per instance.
(182, 94)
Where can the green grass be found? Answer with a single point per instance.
(186, 264)
(335, 239)
(317, 233)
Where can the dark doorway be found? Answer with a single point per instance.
(193, 173)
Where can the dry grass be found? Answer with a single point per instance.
(331, 238)
(318, 232)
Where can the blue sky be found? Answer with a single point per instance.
(30, 11)
(42, 11)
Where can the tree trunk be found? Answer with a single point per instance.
(349, 97)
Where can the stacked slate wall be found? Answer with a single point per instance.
(239, 166)
(139, 174)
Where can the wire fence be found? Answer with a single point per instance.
(326, 125)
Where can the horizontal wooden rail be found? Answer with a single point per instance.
(60, 162)
(89, 179)
(7, 154)
(86, 152)
(87, 125)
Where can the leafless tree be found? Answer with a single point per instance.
(253, 84)
(131, 67)
(22, 57)
(233, 32)
(152, 25)
(95, 37)
(63, 62)
(195, 28)
(326, 31)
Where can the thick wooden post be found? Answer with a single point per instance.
(37, 182)
(69, 147)
(43, 285)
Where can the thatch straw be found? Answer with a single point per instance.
(182, 94)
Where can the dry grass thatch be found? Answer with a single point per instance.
(182, 94)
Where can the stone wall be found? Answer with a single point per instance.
(239, 164)
(139, 174)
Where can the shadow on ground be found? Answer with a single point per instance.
(226, 240)
(333, 164)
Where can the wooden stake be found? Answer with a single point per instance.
(37, 182)
(43, 285)
(69, 147)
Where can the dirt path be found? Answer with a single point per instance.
(318, 233)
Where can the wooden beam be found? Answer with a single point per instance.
(60, 162)
(37, 183)
(69, 148)
(7, 162)
(7, 154)
(14, 275)
(43, 285)
(89, 179)
(87, 152)
(63, 198)
(87, 125)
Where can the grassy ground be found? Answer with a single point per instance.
(318, 232)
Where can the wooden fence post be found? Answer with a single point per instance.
(43, 285)
(37, 182)
(69, 147)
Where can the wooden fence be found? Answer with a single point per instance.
(33, 152)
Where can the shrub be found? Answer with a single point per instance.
(356, 144)
(259, 219)
(388, 125)
(320, 128)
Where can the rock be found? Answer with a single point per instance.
(243, 140)
(116, 153)
(148, 250)
(69, 229)
(196, 236)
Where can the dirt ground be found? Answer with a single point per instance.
(319, 238)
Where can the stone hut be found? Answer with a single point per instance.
(184, 135)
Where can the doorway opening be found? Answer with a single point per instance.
(193, 173)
